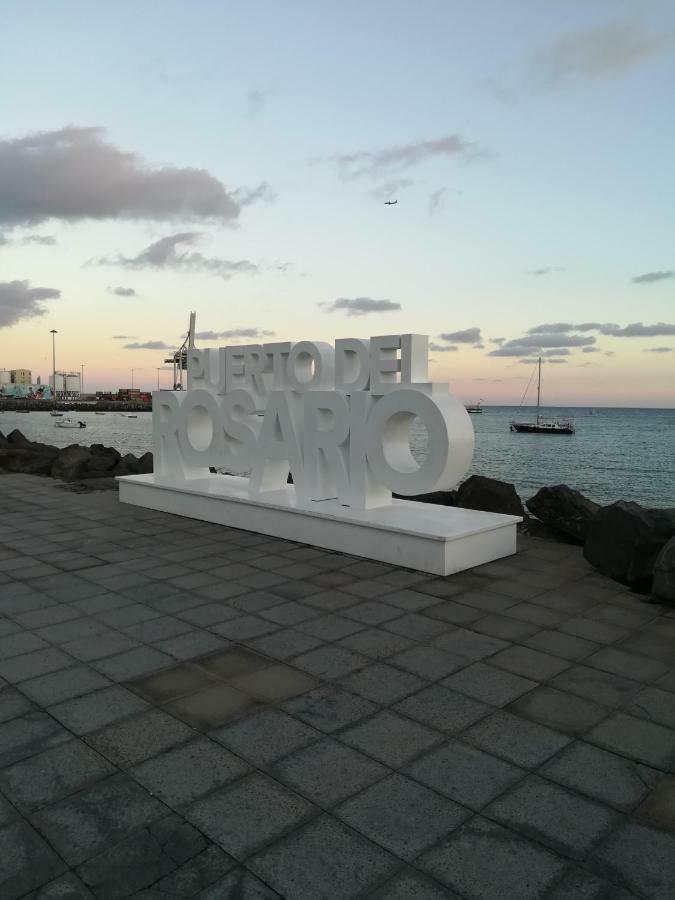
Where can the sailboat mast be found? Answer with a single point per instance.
(539, 390)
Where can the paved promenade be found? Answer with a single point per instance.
(188, 710)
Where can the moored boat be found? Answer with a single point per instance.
(542, 425)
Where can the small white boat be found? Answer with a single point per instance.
(55, 413)
(70, 423)
(99, 414)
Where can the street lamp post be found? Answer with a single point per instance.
(54, 332)
(81, 379)
(159, 369)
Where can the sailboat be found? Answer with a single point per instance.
(540, 424)
(474, 408)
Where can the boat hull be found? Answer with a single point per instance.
(526, 428)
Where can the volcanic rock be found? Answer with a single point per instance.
(664, 572)
(71, 463)
(564, 509)
(490, 495)
(625, 539)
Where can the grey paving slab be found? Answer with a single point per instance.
(139, 737)
(13, 704)
(465, 774)
(239, 885)
(27, 861)
(443, 709)
(327, 772)
(390, 738)
(300, 867)
(658, 809)
(654, 705)
(232, 662)
(63, 685)
(212, 706)
(249, 815)
(484, 861)
(501, 626)
(31, 665)
(276, 683)
(99, 817)
(569, 824)
(27, 735)
(529, 663)
(523, 743)
(67, 887)
(470, 644)
(401, 815)
(176, 681)
(290, 613)
(97, 709)
(603, 687)
(641, 858)
(607, 777)
(382, 683)
(331, 661)
(412, 885)
(266, 736)
(53, 774)
(203, 872)
(640, 740)
(566, 646)
(285, 643)
(133, 663)
(329, 708)
(372, 612)
(489, 684)
(559, 710)
(428, 662)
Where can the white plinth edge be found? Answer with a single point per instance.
(436, 539)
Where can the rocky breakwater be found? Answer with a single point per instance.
(97, 466)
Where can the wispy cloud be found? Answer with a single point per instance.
(172, 253)
(651, 277)
(390, 188)
(635, 329)
(149, 345)
(40, 240)
(233, 333)
(437, 201)
(443, 348)
(124, 337)
(658, 350)
(256, 100)
(467, 336)
(77, 173)
(376, 163)
(499, 340)
(122, 291)
(18, 300)
(546, 270)
(360, 306)
(603, 51)
(246, 196)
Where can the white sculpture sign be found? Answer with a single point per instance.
(336, 418)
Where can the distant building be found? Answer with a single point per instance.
(21, 376)
(127, 394)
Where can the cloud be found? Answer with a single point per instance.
(599, 52)
(635, 329)
(545, 271)
(590, 349)
(77, 173)
(497, 340)
(536, 343)
(169, 253)
(256, 100)
(610, 353)
(361, 306)
(45, 240)
(18, 300)
(246, 196)
(122, 291)
(658, 350)
(563, 351)
(651, 277)
(479, 346)
(437, 201)
(443, 348)
(468, 336)
(149, 345)
(375, 163)
(387, 190)
(533, 360)
(556, 360)
(123, 337)
(233, 333)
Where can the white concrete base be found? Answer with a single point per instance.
(436, 539)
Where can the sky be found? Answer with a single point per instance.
(234, 158)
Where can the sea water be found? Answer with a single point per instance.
(616, 454)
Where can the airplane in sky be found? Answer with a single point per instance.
(390, 202)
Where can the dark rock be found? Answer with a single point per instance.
(489, 495)
(103, 459)
(92, 484)
(624, 540)
(440, 498)
(564, 509)
(132, 464)
(27, 462)
(17, 439)
(3, 440)
(145, 462)
(664, 572)
(71, 463)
